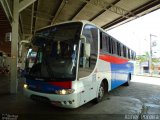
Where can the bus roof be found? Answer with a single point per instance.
(83, 22)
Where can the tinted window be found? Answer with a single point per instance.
(118, 49)
(124, 51)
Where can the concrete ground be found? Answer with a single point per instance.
(141, 98)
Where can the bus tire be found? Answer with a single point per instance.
(101, 93)
(128, 80)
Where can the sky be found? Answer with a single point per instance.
(136, 34)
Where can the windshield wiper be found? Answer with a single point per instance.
(49, 70)
(35, 69)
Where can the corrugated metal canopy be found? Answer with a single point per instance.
(5, 27)
(104, 13)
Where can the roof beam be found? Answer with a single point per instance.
(103, 11)
(39, 13)
(7, 10)
(79, 10)
(2, 20)
(24, 4)
(149, 6)
(21, 24)
(104, 4)
(63, 3)
(42, 18)
(27, 35)
(32, 14)
(36, 4)
(20, 34)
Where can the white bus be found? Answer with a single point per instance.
(76, 62)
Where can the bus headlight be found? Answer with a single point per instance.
(64, 91)
(25, 86)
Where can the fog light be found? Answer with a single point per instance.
(70, 102)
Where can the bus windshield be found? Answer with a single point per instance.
(56, 52)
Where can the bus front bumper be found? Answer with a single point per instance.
(66, 101)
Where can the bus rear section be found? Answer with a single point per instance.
(116, 60)
(117, 70)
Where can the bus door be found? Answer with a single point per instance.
(87, 84)
(87, 61)
(85, 74)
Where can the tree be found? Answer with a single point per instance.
(143, 58)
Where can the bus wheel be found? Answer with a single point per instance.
(128, 80)
(100, 93)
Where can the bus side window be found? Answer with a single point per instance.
(129, 54)
(115, 47)
(104, 43)
(113, 44)
(121, 47)
(101, 41)
(133, 54)
(124, 51)
(109, 43)
(118, 49)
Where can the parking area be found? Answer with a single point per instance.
(141, 97)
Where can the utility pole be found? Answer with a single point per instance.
(150, 57)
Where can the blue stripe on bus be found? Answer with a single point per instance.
(120, 70)
(41, 86)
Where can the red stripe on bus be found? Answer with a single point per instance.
(113, 59)
(66, 84)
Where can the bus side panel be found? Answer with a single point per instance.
(104, 72)
(87, 88)
(118, 67)
(120, 73)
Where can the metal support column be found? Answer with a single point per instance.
(17, 8)
(14, 48)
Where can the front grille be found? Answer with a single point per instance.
(40, 98)
(41, 91)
